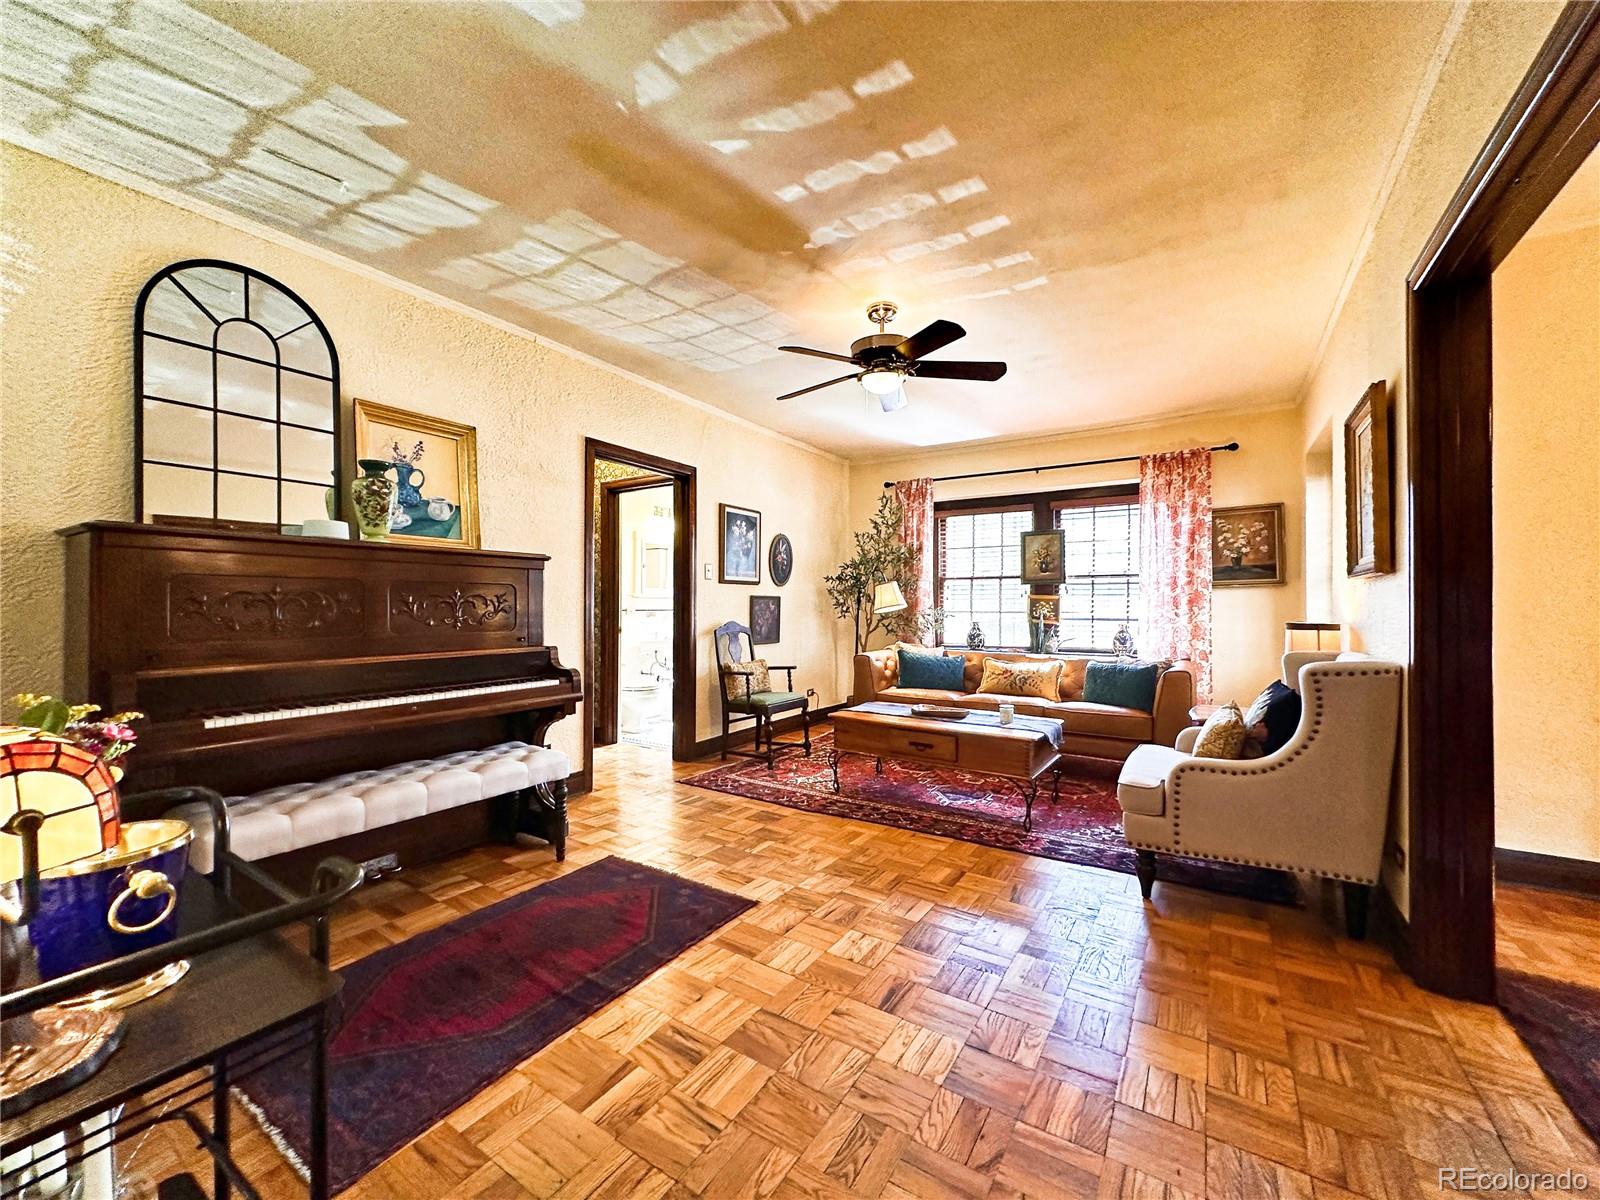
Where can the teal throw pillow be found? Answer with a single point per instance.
(1126, 685)
(930, 669)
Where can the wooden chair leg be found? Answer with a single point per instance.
(772, 745)
(805, 726)
(724, 737)
(1146, 870)
(1357, 898)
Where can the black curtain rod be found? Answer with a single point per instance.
(1088, 462)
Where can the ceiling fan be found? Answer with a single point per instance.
(884, 361)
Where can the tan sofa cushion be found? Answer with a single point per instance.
(1034, 679)
(1105, 720)
(1072, 673)
(900, 695)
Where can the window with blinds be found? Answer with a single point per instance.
(979, 563)
(1101, 593)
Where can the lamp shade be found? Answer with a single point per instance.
(887, 598)
(1312, 636)
(70, 787)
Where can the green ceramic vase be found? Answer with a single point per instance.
(372, 495)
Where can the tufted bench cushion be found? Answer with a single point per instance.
(305, 814)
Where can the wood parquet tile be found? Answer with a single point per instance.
(905, 1016)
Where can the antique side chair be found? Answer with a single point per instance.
(747, 697)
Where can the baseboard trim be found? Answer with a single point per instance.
(1388, 928)
(1580, 876)
(706, 747)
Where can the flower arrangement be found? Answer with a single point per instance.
(109, 737)
(398, 455)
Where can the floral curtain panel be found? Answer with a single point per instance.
(915, 497)
(1175, 571)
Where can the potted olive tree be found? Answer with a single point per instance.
(880, 557)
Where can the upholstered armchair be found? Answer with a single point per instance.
(1319, 805)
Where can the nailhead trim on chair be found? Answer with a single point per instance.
(1316, 725)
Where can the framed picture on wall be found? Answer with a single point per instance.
(738, 544)
(780, 559)
(1044, 557)
(435, 464)
(766, 613)
(1368, 503)
(1247, 545)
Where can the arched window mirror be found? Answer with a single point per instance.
(237, 384)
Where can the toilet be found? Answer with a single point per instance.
(641, 702)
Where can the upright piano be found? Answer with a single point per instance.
(261, 659)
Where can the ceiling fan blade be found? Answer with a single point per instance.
(815, 387)
(926, 341)
(987, 371)
(817, 353)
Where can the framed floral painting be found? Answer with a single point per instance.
(1368, 506)
(1247, 545)
(435, 465)
(739, 544)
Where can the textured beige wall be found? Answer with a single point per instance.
(85, 246)
(1367, 341)
(1247, 622)
(1547, 545)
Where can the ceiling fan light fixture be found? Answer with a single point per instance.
(892, 401)
(882, 381)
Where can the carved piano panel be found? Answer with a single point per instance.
(263, 659)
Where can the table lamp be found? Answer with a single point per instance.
(58, 803)
(888, 598)
(1321, 636)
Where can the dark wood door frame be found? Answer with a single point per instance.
(685, 673)
(1551, 125)
(603, 683)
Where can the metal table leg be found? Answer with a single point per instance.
(319, 1105)
(221, 1125)
(834, 762)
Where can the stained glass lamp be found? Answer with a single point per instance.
(58, 803)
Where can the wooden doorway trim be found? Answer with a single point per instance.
(1551, 125)
(685, 671)
(604, 683)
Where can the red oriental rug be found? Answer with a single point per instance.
(1560, 1022)
(1084, 827)
(427, 1024)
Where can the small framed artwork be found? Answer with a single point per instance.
(1044, 557)
(738, 544)
(1247, 545)
(766, 614)
(1368, 504)
(780, 559)
(434, 462)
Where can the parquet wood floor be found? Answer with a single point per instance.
(905, 1016)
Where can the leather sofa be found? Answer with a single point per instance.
(1319, 805)
(1094, 730)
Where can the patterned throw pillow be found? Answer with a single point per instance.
(1222, 736)
(1038, 679)
(734, 675)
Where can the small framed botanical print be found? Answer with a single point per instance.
(1044, 557)
(780, 559)
(739, 544)
(766, 613)
(1368, 503)
(434, 464)
(1247, 545)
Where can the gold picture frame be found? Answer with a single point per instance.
(1247, 547)
(1368, 502)
(380, 428)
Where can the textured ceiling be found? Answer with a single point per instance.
(1146, 209)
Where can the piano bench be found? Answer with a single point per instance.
(532, 779)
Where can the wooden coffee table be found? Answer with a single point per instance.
(1020, 753)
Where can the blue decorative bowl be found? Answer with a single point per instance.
(114, 903)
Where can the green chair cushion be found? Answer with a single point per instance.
(766, 700)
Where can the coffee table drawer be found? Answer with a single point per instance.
(911, 743)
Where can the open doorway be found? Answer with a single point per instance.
(638, 601)
(633, 646)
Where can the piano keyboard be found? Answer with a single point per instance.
(223, 721)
